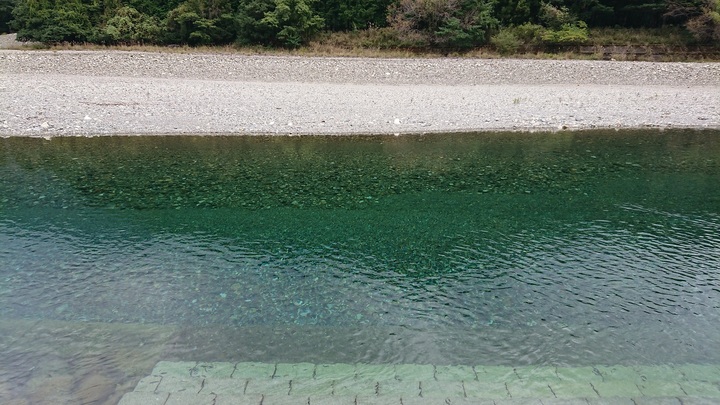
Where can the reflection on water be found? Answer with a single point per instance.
(563, 248)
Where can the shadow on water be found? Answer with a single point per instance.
(504, 248)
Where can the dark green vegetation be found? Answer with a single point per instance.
(508, 26)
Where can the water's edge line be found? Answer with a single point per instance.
(528, 130)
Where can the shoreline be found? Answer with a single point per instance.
(93, 93)
(529, 131)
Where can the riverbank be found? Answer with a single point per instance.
(59, 93)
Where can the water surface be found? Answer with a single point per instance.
(584, 248)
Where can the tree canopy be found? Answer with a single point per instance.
(291, 23)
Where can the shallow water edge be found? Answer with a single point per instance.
(529, 130)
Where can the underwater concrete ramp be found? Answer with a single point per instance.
(196, 383)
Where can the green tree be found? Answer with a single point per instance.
(593, 12)
(249, 16)
(293, 22)
(153, 8)
(350, 15)
(201, 22)
(53, 21)
(6, 8)
(516, 12)
(637, 13)
(680, 11)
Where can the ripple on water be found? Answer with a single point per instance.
(466, 249)
(537, 296)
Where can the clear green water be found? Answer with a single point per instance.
(547, 248)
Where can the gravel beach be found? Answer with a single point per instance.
(58, 93)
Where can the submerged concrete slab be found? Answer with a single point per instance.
(294, 370)
(486, 389)
(701, 389)
(238, 400)
(213, 370)
(312, 387)
(399, 389)
(414, 372)
(579, 374)
(572, 389)
(619, 388)
(269, 386)
(530, 388)
(143, 398)
(148, 384)
(335, 371)
(254, 370)
(173, 383)
(496, 374)
(444, 389)
(198, 383)
(700, 372)
(455, 373)
(361, 387)
(226, 386)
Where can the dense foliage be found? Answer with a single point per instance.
(453, 24)
(6, 8)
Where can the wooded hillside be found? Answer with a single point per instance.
(447, 24)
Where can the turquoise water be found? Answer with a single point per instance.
(596, 247)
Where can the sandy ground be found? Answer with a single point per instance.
(46, 93)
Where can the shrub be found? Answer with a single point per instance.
(381, 38)
(529, 34)
(443, 23)
(568, 34)
(555, 17)
(561, 27)
(705, 27)
(129, 26)
(506, 42)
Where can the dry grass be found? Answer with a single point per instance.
(665, 44)
(670, 37)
